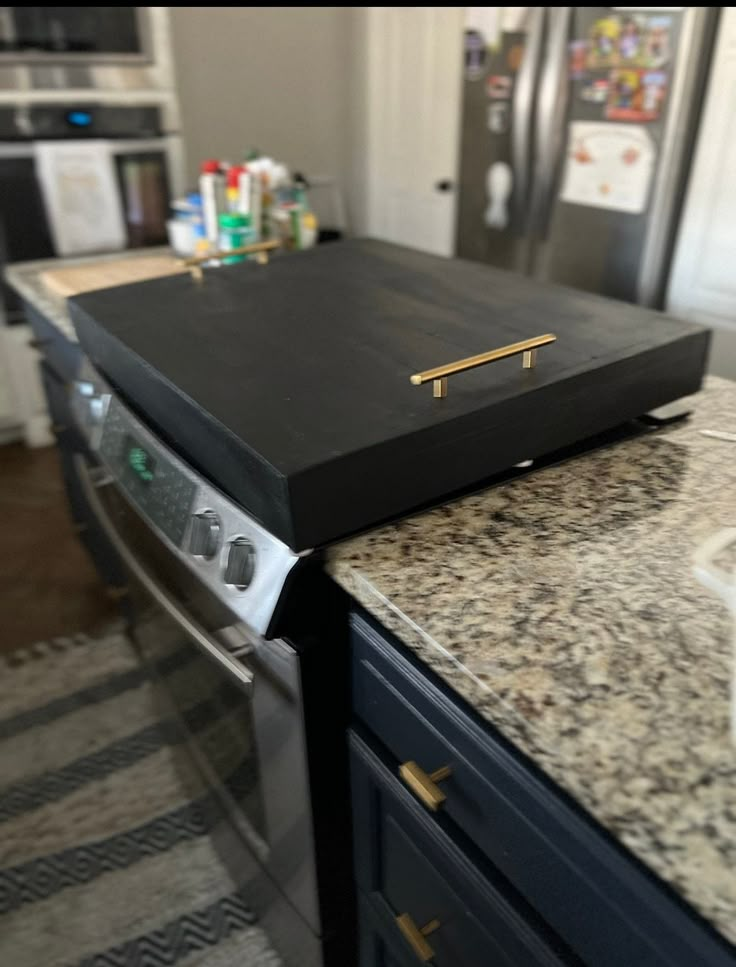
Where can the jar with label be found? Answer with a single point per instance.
(235, 231)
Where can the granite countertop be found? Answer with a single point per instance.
(563, 607)
(25, 278)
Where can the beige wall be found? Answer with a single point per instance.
(275, 78)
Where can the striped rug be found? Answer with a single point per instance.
(105, 857)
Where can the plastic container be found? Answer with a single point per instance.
(181, 236)
(235, 232)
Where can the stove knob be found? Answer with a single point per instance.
(204, 538)
(240, 565)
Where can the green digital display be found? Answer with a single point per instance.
(139, 460)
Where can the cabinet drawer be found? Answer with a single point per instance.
(63, 424)
(592, 892)
(376, 938)
(410, 869)
(57, 398)
(64, 355)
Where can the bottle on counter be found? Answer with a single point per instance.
(232, 190)
(212, 190)
(202, 245)
(244, 191)
(236, 230)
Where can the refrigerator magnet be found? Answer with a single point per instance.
(498, 86)
(636, 95)
(595, 90)
(476, 54)
(499, 183)
(631, 40)
(657, 48)
(498, 117)
(578, 63)
(603, 49)
(643, 41)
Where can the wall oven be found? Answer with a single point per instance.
(147, 168)
(204, 583)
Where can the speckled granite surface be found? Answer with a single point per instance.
(564, 608)
(25, 278)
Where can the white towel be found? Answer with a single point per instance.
(81, 195)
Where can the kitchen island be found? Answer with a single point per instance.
(26, 279)
(560, 612)
(563, 608)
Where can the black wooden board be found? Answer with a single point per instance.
(288, 384)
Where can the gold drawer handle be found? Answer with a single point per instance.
(424, 785)
(261, 249)
(416, 936)
(439, 374)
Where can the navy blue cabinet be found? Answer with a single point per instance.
(377, 940)
(504, 820)
(59, 365)
(417, 879)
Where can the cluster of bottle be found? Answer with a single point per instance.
(240, 204)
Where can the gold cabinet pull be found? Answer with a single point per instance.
(261, 249)
(425, 785)
(527, 348)
(416, 935)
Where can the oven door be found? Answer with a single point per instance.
(237, 696)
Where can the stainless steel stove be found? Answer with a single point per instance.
(205, 586)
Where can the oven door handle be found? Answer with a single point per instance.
(160, 595)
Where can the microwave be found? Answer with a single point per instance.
(74, 33)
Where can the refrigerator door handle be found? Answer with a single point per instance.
(552, 104)
(522, 110)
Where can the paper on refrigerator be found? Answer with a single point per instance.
(487, 21)
(81, 196)
(608, 166)
(491, 22)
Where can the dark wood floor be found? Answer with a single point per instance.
(48, 585)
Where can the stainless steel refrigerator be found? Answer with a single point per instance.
(577, 130)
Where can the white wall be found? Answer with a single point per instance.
(275, 78)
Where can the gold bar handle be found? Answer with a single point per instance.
(195, 262)
(416, 936)
(527, 347)
(425, 785)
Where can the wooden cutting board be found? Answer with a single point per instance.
(89, 276)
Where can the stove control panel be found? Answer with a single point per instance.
(232, 554)
(149, 476)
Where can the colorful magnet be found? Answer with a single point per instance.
(578, 59)
(631, 41)
(657, 50)
(476, 54)
(595, 90)
(636, 95)
(603, 47)
(498, 86)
